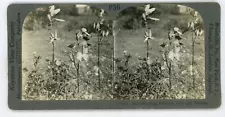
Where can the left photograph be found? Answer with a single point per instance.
(67, 53)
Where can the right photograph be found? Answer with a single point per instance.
(159, 53)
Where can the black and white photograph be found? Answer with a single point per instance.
(80, 52)
(159, 53)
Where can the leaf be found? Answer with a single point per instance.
(163, 44)
(73, 45)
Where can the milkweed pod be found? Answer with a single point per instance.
(196, 20)
(195, 14)
(107, 33)
(176, 29)
(152, 18)
(83, 30)
(53, 11)
(143, 16)
(101, 13)
(60, 20)
(201, 32)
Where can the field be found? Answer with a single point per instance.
(107, 83)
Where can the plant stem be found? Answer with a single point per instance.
(193, 53)
(99, 77)
(113, 55)
(169, 66)
(170, 75)
(78, 76)
(53, 52)
(147, 49)
(53, 59)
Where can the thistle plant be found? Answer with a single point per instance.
(102, 29)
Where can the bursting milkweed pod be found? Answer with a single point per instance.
(52, 13)
(53, 37)
(175, 33)
(196, 20)
(101, 13)
(177, 30)
(199, 32)
(147, 12)
(191, 25)
(96, 26)
(84, 31)
(148, 35)
(85, 34)
(105, 33)
(195, 14)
